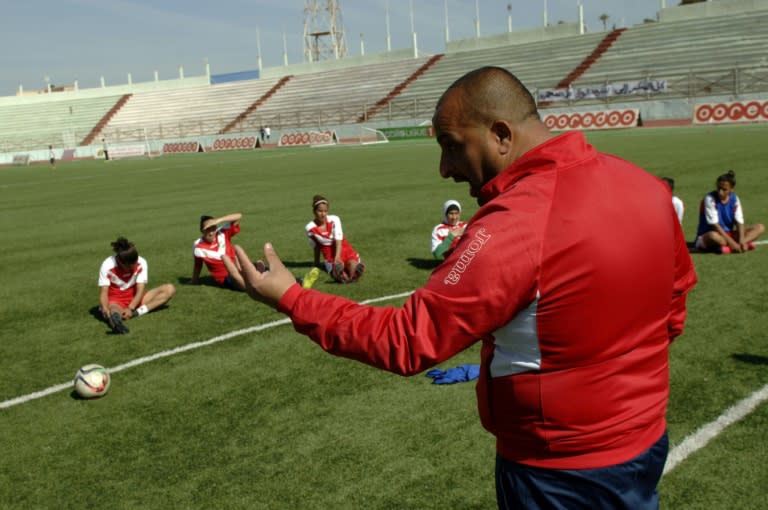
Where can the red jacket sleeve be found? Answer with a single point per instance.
(466, 298)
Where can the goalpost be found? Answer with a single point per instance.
(340, 135)
(370, 136)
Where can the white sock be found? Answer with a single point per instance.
(142, 310)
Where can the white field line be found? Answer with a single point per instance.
(706, 433)
(679, 453)
(178, 350)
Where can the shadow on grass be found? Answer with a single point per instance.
(76, 396)
(95, 312)
(750, 358)
(428, 264)
(205, 281)
(692, 249)
(298, 264)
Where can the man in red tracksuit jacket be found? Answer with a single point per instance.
(573, 274)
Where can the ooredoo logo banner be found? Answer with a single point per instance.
(600, 119)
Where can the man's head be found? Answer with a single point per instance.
(483, 122)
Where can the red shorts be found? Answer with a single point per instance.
(122, 299)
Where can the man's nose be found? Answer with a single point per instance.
(445, 168)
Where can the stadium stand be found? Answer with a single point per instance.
(665, 50)
(541, 63)
(707, 53)
(381, 103)
(338, 96)
(593, 57)
(106, 118)
(165, 114)
(252, 108)
(36, 125)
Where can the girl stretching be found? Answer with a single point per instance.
(327, 238)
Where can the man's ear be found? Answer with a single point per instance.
(502, 133)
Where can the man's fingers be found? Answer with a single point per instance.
(246, 266)
(273, 261)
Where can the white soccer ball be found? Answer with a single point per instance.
(92, 381)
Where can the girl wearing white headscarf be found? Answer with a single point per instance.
(446, 234)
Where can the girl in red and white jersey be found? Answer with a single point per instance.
(326, 237)
(214, 249)
(122, 287)
(446, 234)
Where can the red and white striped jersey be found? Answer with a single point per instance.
(211, 253)
(122, 283)
(325, 238)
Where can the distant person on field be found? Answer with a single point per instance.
(721, 220)
(122, 287)
(52, 157)
(676, 202)
(575, 327)
(267, 131)
(445, 235)
(326, 237)
(105, 148)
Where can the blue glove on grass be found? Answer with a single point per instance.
(462, 373)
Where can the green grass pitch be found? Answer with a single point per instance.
(265, 419)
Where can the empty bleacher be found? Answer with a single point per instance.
(178, 113)
(316, 99)
(672, 49)
(339, 96)
(38, 124)
(537, 64)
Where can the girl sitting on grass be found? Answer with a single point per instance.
(721, 220)
(326, 237)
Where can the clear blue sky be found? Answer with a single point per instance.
(68, 40)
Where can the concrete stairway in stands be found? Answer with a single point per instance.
(585, 64)
(381, 103)
(90, 137)
(252, 108)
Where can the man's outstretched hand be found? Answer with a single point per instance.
(267, 287)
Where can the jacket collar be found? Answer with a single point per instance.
(561, 151)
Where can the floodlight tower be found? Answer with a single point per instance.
(323, 31)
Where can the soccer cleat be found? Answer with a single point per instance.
(116, 321)
(725, 250)
(338, 273)
(310, 278)
(359, 270)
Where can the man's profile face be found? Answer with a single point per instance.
(463, 143)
